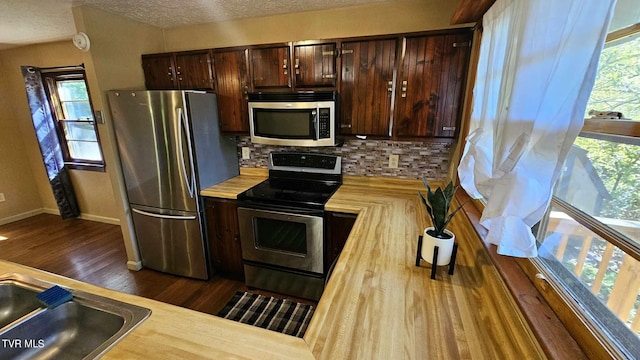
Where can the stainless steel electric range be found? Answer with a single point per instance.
(282, 223)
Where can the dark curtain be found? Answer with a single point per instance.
(44, 125)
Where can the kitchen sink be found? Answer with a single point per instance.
(16, 302)
(83, 328)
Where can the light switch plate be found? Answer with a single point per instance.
(2, 197)
(393, 161)
(246, 153)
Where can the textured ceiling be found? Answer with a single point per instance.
(171, 13)
(32, 21)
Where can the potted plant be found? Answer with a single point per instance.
(437, 204)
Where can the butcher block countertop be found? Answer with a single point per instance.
(172, 332)
(377, 303)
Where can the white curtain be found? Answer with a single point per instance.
(538, 61)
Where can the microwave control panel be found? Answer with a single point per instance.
(324, 124)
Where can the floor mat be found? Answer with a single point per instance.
(285, 316)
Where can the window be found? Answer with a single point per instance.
(589, 242)
(71, 107)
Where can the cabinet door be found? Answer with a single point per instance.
(430, 86)
(271, 67)
(159, 72)
(193, 71)
(339, 226)
(232, 86)
(314, 66)
(367, 86)
(223, 233)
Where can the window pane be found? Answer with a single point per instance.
(83, 150)
(69, 90)
(600, 276)
(77, 110)
(617, 86)
(626, 13)
(79, 131)
(602, 178)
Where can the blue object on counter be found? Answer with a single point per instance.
(54, 296)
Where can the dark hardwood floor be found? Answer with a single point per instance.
(94, 252)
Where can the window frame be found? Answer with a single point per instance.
(50, 80)
(579, 323)
(554, 315)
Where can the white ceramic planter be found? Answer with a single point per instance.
(445, 247)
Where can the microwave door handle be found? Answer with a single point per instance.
(314, 113)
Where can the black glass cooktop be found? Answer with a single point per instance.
(291, 192)
(298, 180)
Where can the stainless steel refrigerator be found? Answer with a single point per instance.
(170, 148)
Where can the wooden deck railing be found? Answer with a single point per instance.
(624, 292)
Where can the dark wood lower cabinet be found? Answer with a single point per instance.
(338, 227)
(223, 232)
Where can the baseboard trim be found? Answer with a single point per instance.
(102, 219)
(24, 215)
(50, 211)
(134, 265)
(21, 216)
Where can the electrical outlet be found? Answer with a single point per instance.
(246, 153)
(2, 197)
(393, 161)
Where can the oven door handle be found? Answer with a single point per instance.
(279, 208)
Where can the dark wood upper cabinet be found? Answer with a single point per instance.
(232, 87)
(223, 235)
(171, 71)
(271, 67)
(314, 65)
(193, 71)
(431, 83)
(400, 86)
(367, 86)
(159, 71)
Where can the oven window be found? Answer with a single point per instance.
(283, 124)
(279, 235)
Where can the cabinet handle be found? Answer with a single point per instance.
(328, 76)
(389, 87)
(345, 126)
(448, 128)
(245, 91)
(462, 44)
(285, 67)
(404, 89)
(297, 66)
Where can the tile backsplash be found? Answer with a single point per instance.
(368, 157)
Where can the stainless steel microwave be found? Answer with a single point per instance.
(294, 119)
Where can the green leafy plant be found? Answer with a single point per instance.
(437, 204)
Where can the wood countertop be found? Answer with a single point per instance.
(377, 303)
(172, 332)
(231, 188)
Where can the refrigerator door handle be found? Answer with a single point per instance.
(161, 216)
(184, 126)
